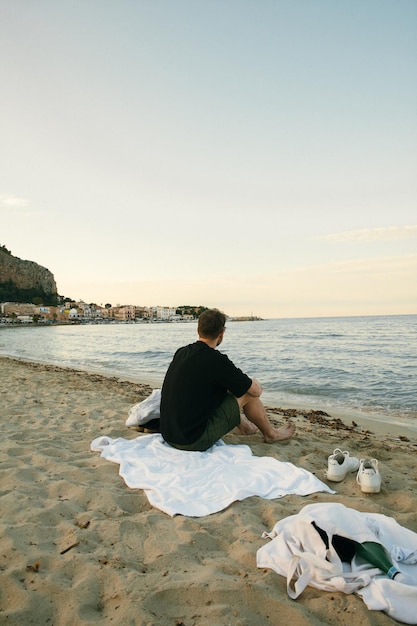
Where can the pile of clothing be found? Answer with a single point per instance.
(334, 548)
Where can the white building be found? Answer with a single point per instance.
(163, 313)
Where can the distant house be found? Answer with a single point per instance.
(18, 308)
(25, 319)
(122, 313)
(74, 314)
(163, 313)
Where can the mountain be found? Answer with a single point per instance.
(25, 281)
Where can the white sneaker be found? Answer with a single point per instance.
(368, 476)
(339, 464)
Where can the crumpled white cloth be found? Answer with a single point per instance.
(200, 483)
(403, 555)
(145, 411)
(298, 553)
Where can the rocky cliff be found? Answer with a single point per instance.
(22, 281)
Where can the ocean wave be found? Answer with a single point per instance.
(363, 363)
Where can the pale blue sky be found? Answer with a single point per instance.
(259, 156)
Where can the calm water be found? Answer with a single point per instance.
(362, 363)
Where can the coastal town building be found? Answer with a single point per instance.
(81, 312)
(29, 313)
(163, 313)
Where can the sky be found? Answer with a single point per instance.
(258, 156)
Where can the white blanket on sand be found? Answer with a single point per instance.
(200, 483)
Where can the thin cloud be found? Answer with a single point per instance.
(18, 207)
(365, 235)
(376, 265)
(13, 202)
(379, 265)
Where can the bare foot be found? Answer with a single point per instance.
(281, 434)
(143, 429)
(245, 427)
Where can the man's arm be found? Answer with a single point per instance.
(255, 389)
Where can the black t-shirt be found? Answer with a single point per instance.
(195, 385)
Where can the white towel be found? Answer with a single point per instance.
(200, 483)
(298, 553)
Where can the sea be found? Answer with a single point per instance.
(365, 365)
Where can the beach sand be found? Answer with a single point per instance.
(79, 547)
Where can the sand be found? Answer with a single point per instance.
(79, 547)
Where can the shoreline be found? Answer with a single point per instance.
(385, 425)
(372, 421)
(79, 546)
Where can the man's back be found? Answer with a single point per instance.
(195, 385)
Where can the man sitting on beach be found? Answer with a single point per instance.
(203, 393)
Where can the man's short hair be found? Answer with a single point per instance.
(211, 323)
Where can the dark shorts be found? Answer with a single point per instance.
(224, 419)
